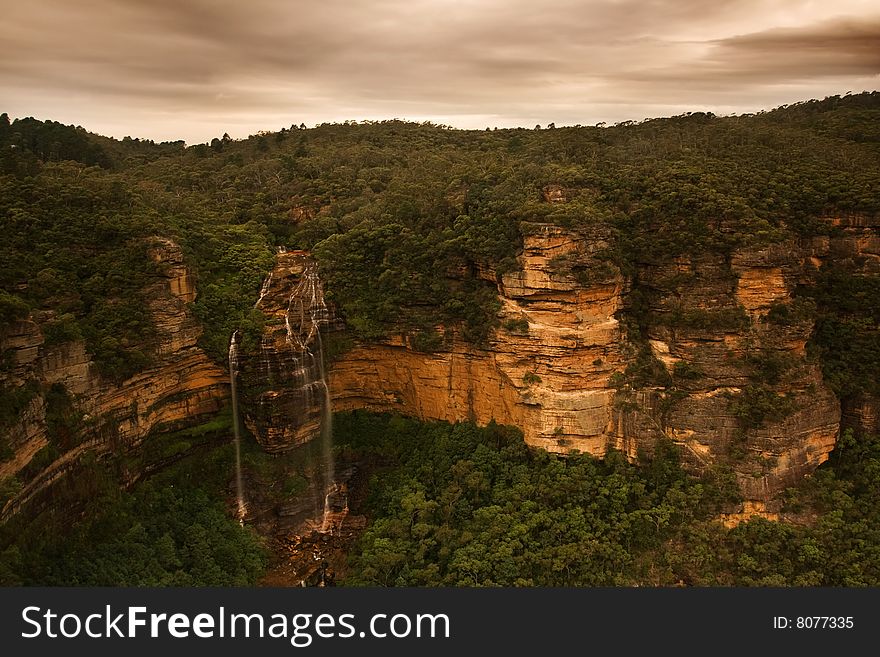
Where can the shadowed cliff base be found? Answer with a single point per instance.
(454, 504)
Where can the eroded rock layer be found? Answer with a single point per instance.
(562, 367)
(546, 370)
(283, 387)
(180, 387)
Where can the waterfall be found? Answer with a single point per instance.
(264, 290)
(306, 314)
(326, 438)
(233, 373)
(304, 318)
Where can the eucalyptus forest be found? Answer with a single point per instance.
(403, 221)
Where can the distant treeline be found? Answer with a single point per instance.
(403, 217)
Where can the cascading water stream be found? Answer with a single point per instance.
(233, 373)
(264, 290)
(326, 438)
(304, 318)
(306, 313)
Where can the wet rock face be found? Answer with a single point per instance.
(282, 386)
(182, 386)
(558, 365)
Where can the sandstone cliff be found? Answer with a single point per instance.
(857, 243)
(727, 359)
(180, 387)
(283, 387)
(546, 370)
(565, 369)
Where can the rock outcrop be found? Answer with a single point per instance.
(180, 387)
(546, 370)
(562, 367)
(283, 388)
(856, 243)
(709, 324)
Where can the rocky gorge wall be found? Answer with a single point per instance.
(180, 387)
(547, 372)
(858, 244)
(584, 358)
(564, 368)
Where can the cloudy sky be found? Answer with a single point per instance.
(194, 69)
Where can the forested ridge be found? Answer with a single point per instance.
(405, 220)
(401, 215)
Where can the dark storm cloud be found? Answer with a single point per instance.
(841, 47)
(194, 69)
(836, 48)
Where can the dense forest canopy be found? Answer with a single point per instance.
(408, 221)
(458, 505)
(401, 215)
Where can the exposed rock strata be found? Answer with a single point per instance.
(556, 367)
(547, 372)
(559, 367)
(857, 243)
(181, 386)
(282, 388)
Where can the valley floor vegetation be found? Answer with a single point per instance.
(461, 505)
(458, 505)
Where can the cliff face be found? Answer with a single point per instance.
(858, 244)
(181, 385)
(546, 370)
(729, 383)
(743, 391)
(283, 390)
